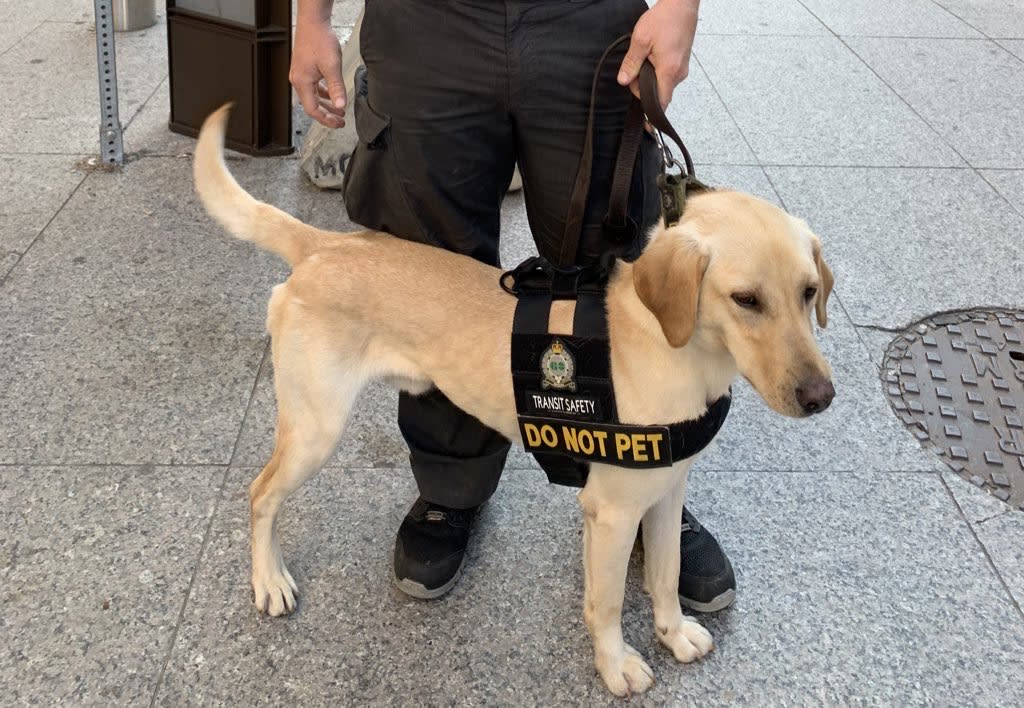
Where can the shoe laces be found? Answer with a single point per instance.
(437, 514)
(690, 524)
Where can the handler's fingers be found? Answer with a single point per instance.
(329, 115)
(336, 90)
(307, 94)
(327, 101)
(639, 49)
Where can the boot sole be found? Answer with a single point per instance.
(422, 592)
(715, 605)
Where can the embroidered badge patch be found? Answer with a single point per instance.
(557, 367)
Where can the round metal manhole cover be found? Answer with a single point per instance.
(956, 380)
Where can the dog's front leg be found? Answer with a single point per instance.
(608, 535)
(687, 639)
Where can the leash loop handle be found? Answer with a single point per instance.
(619, 227)
(578, 200)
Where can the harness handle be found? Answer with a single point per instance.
(537, 275)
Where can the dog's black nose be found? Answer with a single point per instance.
(815, 395)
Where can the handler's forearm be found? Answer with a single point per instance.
(314, 11)
(688, 9)
(695, 4)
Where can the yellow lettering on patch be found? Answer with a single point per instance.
(548, 436)
(586, 442)
(532, 434)
(639, 443)
(654, 439)
(601, 436)
(621, 444)
(569, 434)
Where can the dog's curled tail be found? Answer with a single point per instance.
(235, 209)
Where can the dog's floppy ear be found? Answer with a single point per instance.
(667, 279)
(825, 288)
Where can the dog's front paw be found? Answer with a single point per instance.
(688, 640)
(625, 673)
(274, 592)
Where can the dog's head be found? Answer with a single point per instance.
(739, 275)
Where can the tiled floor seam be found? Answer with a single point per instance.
(145, 103)
(898, 330)
(976, 170)
(875, 328)
(857, 330)
(1000, 40)
(22, 39)
(889, 86)
(1000, 515)
(953, 14)
(209, 527)
(3, 278)
(728, 112)
(739, 130)
(984, 548)
(1000, 193)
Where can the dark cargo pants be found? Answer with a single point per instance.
(456, 94)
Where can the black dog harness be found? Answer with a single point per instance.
(563, 385)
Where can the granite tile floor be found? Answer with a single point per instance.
(136, 403)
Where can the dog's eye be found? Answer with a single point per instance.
(809, 294)
(746, 300)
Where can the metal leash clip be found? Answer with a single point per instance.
(673, 187)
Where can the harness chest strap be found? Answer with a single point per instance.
(634, 446)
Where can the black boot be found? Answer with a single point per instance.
(706, 580)
(431, 549)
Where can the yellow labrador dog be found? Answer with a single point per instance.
(728, 291)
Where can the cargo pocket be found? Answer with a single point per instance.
(372, 188)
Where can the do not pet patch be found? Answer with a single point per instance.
(635, 446)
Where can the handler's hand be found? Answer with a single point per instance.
(664, 34)
(316, 72)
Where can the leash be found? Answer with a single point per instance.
(673, 187)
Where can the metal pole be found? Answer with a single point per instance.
(111, 143)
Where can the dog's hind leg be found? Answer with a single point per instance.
(313, 406)
(687, 639)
